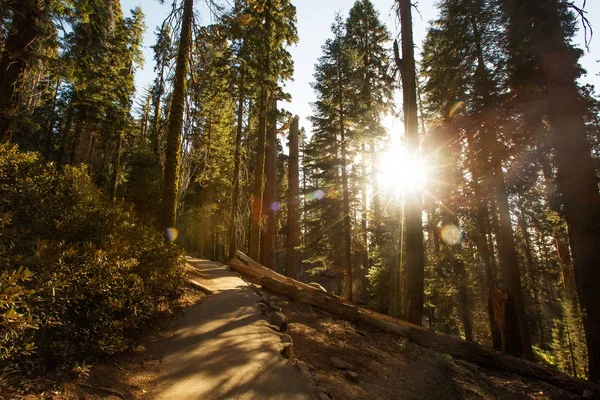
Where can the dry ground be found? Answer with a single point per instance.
(389, 367)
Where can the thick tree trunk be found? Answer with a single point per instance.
(414, 271)
(485, 253)
(577, 179)
(173, 157)
(233, 229)
(267, 242)
(421, 336)
(507, 253)
(18, 53)
(292, 265)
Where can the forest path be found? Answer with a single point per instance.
(221, 348)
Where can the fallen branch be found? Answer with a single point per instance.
(419, 335)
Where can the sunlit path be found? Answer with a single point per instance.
(222, 350)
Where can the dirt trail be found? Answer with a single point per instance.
(223, 350)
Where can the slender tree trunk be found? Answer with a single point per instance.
(347, 244)
(233, 245)
(259, 171)
(116, 168)
(157, 116)
(292, 265)
(366, 262)
(19, 51)
(173, 156)
(376, 195)
(414, 272)
(259, 168)
(49, 126)
(267, 242)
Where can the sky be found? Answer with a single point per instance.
(314, 21)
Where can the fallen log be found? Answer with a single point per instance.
(468, 351)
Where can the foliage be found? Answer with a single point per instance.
(79, 276)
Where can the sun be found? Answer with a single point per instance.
(401, 172)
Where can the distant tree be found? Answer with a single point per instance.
(292, 265)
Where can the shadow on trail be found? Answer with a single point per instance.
(223, 350)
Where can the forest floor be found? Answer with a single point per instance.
(381, 366)
(218, 348)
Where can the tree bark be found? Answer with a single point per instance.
(577, 179)
(347, 251)
(507, 253)
(413, 281)
(259, 168)
(116, 168)
(267, 242)
(233, 245)
(173, 157)
(292, 265)
(419, 335)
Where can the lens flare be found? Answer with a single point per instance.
(275, 206)
(316, 195)
(451, 235)
(456, 108)
(171, 234)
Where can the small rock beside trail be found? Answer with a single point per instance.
(340, 364)
(305, 371)
(351, 376)
(273, 316)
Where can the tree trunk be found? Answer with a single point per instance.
(414, 272)
(173, 157)
(18, 53)
(485, 254)
(116, 168)
(347, 250)
(418, 335)
(259, 168)
(376, 195)
(507, 253)
(233, 245)
(577, 179)
(267, 242)
(292, 265)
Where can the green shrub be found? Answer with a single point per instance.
(79, 276)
